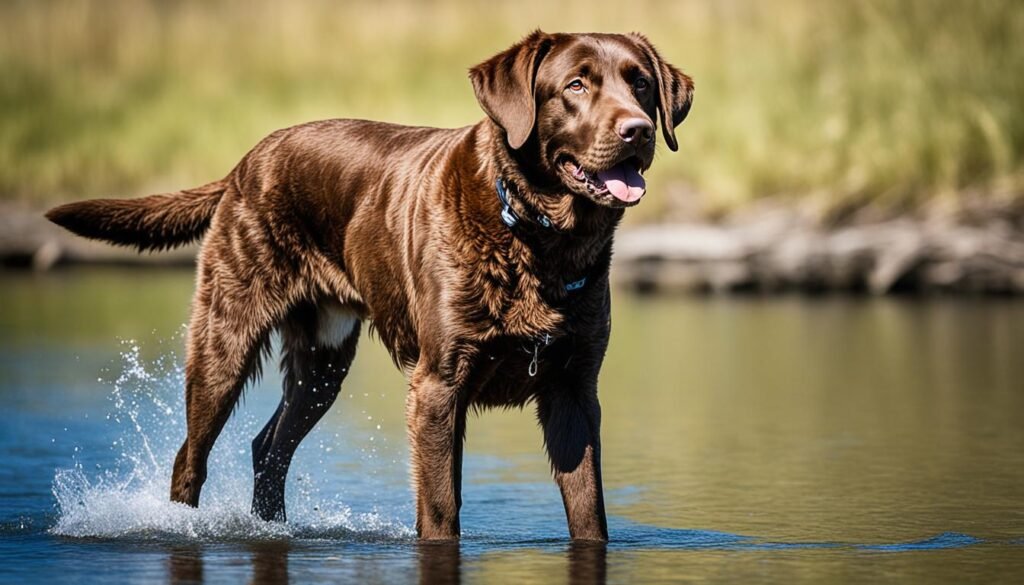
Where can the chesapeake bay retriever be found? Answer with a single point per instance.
(480, 255)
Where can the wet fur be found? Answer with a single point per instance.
(348, 219)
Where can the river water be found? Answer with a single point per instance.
(769, 440)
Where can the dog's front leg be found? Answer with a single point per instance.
(571, 420)
(436, 418)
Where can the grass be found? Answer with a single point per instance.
(843, 100)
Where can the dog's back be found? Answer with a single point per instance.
(336, 166)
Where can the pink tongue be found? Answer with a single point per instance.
(624, 182)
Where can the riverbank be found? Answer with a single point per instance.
(767, 248)
(975, 248)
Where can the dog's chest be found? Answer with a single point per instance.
(514, 370)
(524, 294)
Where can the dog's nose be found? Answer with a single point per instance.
(638, 130)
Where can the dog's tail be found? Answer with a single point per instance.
(157, 222)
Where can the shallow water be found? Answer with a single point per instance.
(778, 440)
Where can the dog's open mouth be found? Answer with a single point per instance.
(623, 180)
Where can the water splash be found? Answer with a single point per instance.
(129, 498)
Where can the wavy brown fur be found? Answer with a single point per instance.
(157, 222)
(327, 224)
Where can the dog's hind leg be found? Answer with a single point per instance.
(229, 329)
(318, 347)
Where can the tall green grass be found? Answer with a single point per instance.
(844, 100)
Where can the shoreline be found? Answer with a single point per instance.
(770, 249)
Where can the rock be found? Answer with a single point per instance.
(46, 256)
(782, 249)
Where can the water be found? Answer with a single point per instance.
(769, 441)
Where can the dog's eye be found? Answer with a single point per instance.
(576, 86)
(641, 84)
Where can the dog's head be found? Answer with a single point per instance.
(586, 106)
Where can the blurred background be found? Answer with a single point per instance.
(865, 145)
(898, 102)
(839, 149)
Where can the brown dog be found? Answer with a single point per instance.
(479, 254)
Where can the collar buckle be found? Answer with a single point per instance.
(508, 215)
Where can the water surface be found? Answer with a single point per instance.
(763, 440)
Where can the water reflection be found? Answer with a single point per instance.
(588, 563)
(269, 563)
(453, 563)
(439, 563)
(435, 564)
(804, 434)
(185, 565)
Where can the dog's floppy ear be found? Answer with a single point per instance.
(504, 86)
(675, 91)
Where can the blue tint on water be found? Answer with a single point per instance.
(83, 498)
(942, 541)
(82, 493)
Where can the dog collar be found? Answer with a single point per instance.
(508, 215)
(510, 218)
